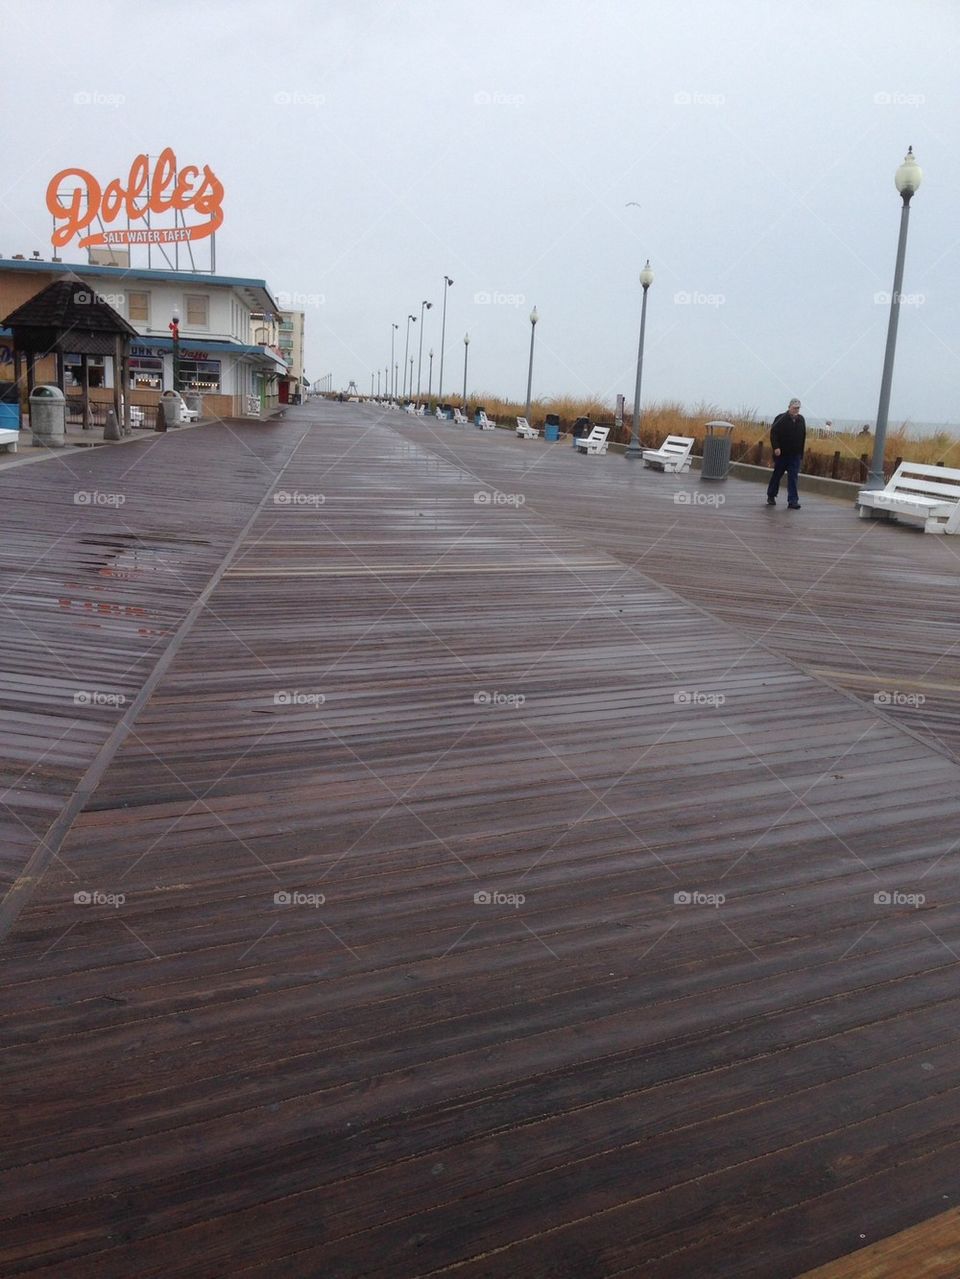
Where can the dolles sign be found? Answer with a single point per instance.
(167, 189)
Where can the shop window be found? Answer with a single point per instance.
(198, 310)
(146, 373)
(199, 375)
(138, 308)
(73, 370)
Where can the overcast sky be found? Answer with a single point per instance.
(368, 148)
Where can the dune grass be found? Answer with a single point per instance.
(751, 435)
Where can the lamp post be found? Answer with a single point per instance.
(907, 180)
(466, 347)
(633, 450)
(443, 330)
(175, 334)
(393, 334)
(427, 306)
(430, 377)
(406, 351)
(411, 377)
(533, 328)
(378, 384)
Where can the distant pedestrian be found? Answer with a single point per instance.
(788, 437)
(864, 430)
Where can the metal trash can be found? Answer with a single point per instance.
(716, 451)
(551, 426)
(582, 426)
(48, 417)
(9, 406)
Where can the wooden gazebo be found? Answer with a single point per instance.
(69, 317)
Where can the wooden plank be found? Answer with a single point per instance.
(930, 1250)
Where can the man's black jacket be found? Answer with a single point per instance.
(789, 434)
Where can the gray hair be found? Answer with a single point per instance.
(792, 403)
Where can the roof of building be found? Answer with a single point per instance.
(240, 283)
(214, 346)
(68, 305)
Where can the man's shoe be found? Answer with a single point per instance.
(771, 501)
(793, 506)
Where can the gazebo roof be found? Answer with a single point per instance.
(65, 313)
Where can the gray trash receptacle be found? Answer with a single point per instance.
(194, 401)
(716, 451)
(48, 417)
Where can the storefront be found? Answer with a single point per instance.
(216, 358)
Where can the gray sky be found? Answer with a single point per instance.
(367, 148)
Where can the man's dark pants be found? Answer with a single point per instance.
(790, 466)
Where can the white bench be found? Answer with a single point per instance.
(420, 410)
(485, 423)
(409, 408)
(9, 440)
(525, 431)
(595, 442)
(918, 494)
(460, 418)
(672, 455)
(439, 414)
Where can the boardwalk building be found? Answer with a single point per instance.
(217, 356)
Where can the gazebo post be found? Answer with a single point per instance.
(124, 350)
(61, 373)
(85, 373)
(117, 383)
(30, 372)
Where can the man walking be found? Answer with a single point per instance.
(788, 435)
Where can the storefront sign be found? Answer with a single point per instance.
(164, 190)
(185, 352)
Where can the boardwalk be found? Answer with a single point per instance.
(429, 853)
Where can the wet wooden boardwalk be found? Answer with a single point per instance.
(484, 872)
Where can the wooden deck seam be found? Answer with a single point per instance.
(24, 886)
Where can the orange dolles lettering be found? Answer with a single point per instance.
(169, 191)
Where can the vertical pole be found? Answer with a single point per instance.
(875, 478)
(127, 389)
(466, 348)
(533, 329)
(423, 305)
(406, 353)
(85, 373)
(633, 451)
(430, 378)
(443, 332)
(119, 399)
